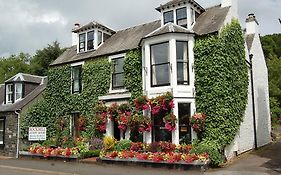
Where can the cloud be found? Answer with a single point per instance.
(28, 25)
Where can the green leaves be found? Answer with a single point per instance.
(221, 81)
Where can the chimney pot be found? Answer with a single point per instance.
(76, 25)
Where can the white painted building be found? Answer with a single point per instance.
(168, 65)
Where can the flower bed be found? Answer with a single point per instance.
(54, 152)
(156, 152)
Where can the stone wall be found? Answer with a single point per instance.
(10, 138)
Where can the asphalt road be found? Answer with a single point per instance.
(266, 161)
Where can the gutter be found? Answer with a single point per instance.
(17, 112)
(253, 101)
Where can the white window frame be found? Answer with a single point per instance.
(9, 93)
(21, 91)
(71, 77)
(2, 120)
(110, 60)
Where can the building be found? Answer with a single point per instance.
(16, 96)
(167, 64)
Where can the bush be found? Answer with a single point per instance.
(90, 153)
(109, 143)
(123, 145)
(211, 147)
(96, 143)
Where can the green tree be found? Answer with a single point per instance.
(14, 64)
(44, 57)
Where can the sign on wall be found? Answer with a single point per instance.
(37, 133)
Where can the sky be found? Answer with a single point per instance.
(29, 25)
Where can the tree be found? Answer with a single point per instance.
(44, 57)
(14, 64)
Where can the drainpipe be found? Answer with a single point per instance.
(18, 133)
(253, 102)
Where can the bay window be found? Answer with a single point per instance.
(9, 93)
(168, 17)
(160, 64)
(18, 91)
(82, 42)
(182, 17)
(90, 40)
(118, 73)
(76, 79)
(182, 63)
(2, 129)
(99, 38)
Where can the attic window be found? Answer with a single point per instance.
(82, 42)
(182, 17)
(90, 40)
(168, 17)
(9, 93)
(18, 91)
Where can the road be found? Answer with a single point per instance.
(266, 161)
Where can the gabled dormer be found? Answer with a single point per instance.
(19, 86)
(180, 12)
(90, 36)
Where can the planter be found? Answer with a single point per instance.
(28, 154)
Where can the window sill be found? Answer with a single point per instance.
(115, 96)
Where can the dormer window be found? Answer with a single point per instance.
(99, 38)
(90, 40)
(168, 17)
(182, 17)
(9, 93)
(82, 42)
(18, 91)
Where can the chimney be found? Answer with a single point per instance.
(75, 35)
(252, 25)
(233, 4)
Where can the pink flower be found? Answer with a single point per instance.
(155, 110)
(169, 127)
(171, 104)
(145, 107)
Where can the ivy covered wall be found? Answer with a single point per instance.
(59, 102)
(221, 75)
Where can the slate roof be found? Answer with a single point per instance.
(92, 24)
(249, 40)
(25, 78)
(179, 2)
(25, 101)
(168, 28)
(211, 20)
(121, 41)
(208, 22)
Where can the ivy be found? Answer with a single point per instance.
(221, 81)
(133, 73)
(60, 102)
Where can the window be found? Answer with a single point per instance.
(182, 17)
(118, 73)
(105, 37)
(99, 38)
(76, 79)
(9, 93)
(169, 17)
(18, 91)
(159, 132)
(90, 40)
(182, 63)
(160, 65)
(2, 129)
(194, 16)
(82, 42)
(184, 126)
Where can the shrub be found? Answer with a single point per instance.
(154, 147)
(96, 143)
(90, 153)
(136, 146)
(123, 145)
(211, 147)
(109, 143)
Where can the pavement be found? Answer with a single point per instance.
(265, 161)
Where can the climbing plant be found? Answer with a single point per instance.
(133, 73)
(221, 81)
(60, 102)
